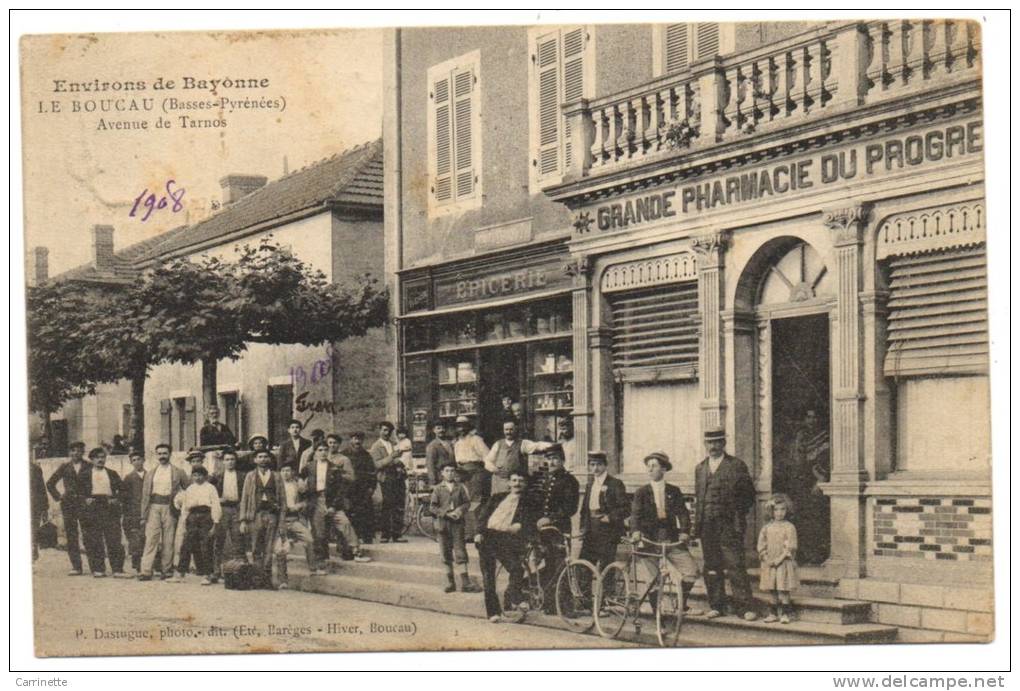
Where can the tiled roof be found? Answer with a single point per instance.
(353, 178)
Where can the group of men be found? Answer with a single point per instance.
(230, 502)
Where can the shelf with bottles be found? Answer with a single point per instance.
(455, 372)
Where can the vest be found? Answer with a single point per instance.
(509, 458)
(268, 491)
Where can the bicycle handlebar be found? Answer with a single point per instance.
(551, 528)
(654, 543)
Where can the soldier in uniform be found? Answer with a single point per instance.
(725, 494)
(71, 502)
(555, 504)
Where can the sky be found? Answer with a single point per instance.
(326, 84)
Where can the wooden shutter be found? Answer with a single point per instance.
(656, 326)
(707, 39)
(548, 83)
(573, 81)
(190, 424)
(463, 144)
(165, 421)
(442, 181)
(938, 314)
(677, 47)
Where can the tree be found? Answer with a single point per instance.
(57, 372)
(210, 309)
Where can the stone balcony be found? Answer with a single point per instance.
(803, 82)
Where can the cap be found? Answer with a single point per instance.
(194, 454)
(662, 458)
(598, 457)
(555, 450)
(252, 438)
(463, 419)
(715, 433)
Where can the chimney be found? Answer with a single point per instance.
(39, 271)
(102, 247)
(236, 186)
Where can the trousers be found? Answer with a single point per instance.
(320, 526)
(501, 548)
(362, 513)
(294, 529)
(345, 529)
(391, 514)
(599, 547)
(723, 550)
(452, 546)
(263, 535)
(229, 542)
(101, 521)
(198, 543)
(73, 528)
(131, 523)
(160, 529)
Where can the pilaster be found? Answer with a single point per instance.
(711, 249)
(579, 269)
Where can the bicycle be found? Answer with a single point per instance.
(617, 600)
(532, 595)
(416, 506)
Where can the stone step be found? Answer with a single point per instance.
(366, 582)
(817, 609)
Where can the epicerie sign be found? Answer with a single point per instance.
(861, 161)
(462, 288)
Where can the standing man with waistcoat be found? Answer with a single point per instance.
(510, 455)
(438, 453)
(159, 489)
(555, 504)
(131, 509)
(724, 494)
(604, 509)
(262, 502)
(101, 492)
(70, 500)
(229, 543)
(392, 475)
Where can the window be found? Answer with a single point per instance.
(454, 133)
(230, 407)
(678, 45)
(561, 72)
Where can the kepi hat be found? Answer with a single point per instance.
(598, 457)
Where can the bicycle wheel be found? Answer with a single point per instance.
(426, 522)
(535, 566)
(575, 599)
(410, 513)
(614, 599)
(669, 611)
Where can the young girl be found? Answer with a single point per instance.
(777, 550)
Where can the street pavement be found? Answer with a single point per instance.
(83, 615)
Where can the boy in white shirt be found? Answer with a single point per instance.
(200, 514)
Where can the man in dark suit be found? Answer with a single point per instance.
(555, 497)
(214, 433)
(292, 447)
(40, 503)
(659, 513)
(131, 509)
(71, 504)
(362, 510)
(724, 494)
(505, 524)
(604, 508)
(102, 493)
(438, 453)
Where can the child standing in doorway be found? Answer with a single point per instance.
(777, 550)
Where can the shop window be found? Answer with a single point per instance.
(656, 327)
(458, 386)
(552, 388)
(562, 64)
(938, 314)
(454, 132)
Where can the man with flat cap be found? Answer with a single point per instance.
(659, 513)
(604, 508)
(724, 494)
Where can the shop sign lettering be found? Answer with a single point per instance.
(476, 287)
(866, 160)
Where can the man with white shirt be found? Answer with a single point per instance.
(724, 494)
(510, 455)
(159, 489)
(229, 543)
(71, 502)
(604, 508)
(200, 514)
(262, 502)
(315, 473)
(505, 524)
(659, 513)
(318, 435)
(101, 489)
(293, 527)
(392, 476)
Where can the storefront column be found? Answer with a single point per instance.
(710, 249)
(741, 387)
(848, 473)
(579, 270)
(878, 413)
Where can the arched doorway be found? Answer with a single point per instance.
(792, 293)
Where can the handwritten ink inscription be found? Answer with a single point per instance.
(147, 203)
(300, 377)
